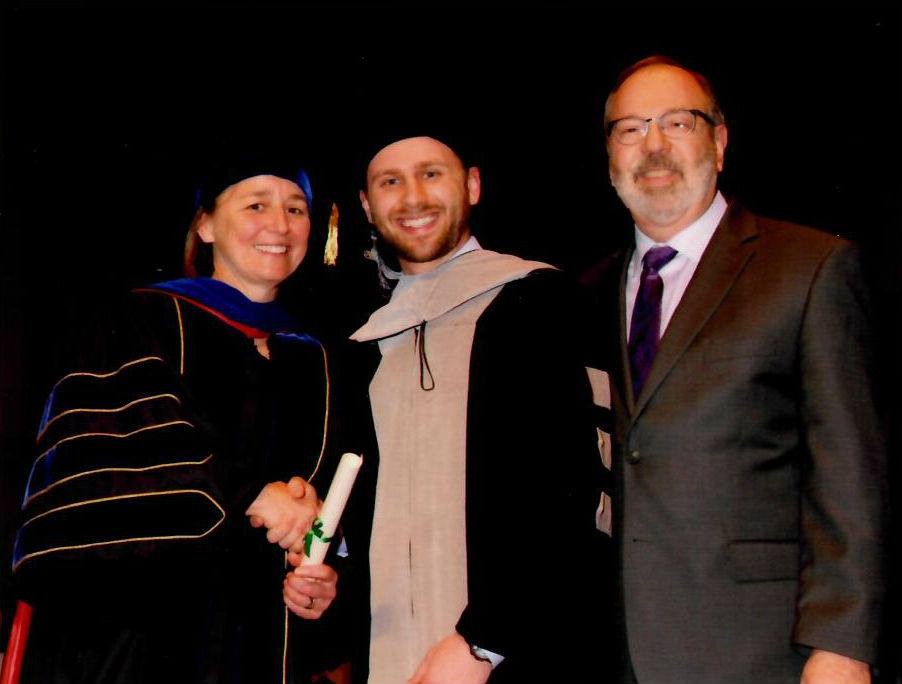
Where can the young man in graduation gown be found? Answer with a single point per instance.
(490, 526)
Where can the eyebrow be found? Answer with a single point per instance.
(268, 193)
(419, 165)
(687, 108)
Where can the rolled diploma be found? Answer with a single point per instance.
(333, 507)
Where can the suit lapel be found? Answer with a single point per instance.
(731, 246)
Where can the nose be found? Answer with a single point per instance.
(654, 139)
(280, 222)
(414, 193)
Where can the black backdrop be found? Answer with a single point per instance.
(104, 110)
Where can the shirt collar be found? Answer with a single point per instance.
(471, 244)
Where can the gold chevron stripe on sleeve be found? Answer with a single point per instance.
(107, 499)
(90, 374)
(114, 435)
(117, 409)
(158, 466)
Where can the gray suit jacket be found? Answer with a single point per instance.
(752, 466)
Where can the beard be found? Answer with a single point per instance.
(408, 250)
(663, 205)
(436, 246)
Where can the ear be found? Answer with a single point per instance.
(205, 227)
(474, 185)
(366, 206)
(720, 142)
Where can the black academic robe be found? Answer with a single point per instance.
(134, 548)
(539, 572)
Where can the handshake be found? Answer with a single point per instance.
(287, 510)
(294, 517)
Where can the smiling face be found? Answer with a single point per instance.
(258, 229)
(665, 183)
(419, 197)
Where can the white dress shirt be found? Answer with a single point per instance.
(690, 244)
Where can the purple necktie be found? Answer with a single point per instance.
(645, 327)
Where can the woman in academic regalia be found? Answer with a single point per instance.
(174, 465)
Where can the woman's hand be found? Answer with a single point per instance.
(287, 511)
(309, 589)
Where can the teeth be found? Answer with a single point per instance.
(416, 222)
(272, 249)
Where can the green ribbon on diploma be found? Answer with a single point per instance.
(317, 532)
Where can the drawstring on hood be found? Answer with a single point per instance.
(419, 337)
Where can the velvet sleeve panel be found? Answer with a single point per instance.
(534, 477)
(122, 467)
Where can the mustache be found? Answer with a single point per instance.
(656, 161)
(417, 208)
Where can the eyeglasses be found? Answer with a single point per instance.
(675, 124)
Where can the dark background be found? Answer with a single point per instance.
(105, 112)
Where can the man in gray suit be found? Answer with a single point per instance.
(751, 459)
